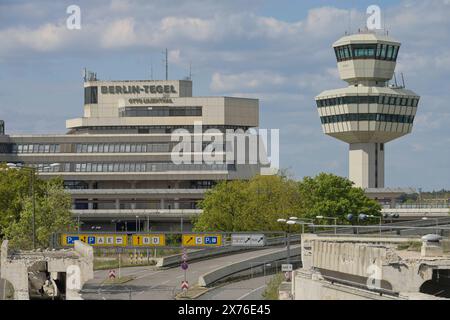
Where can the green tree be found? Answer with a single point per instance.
(255, 205)
(52, 215)
(52, 204)
(334, 196)
(249, 205)
(14, 187)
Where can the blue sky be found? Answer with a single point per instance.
(277, 51)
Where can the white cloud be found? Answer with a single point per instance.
(119, 33)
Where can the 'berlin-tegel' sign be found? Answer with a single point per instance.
(136, 89)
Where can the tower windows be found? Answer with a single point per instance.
(367, 117)
(387, 100)
(367, 51)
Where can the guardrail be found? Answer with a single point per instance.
(224, 272)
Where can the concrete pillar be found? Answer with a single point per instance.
(176, 204)
(366, 164)
(133, 186)
(162, 204)
(117, 204)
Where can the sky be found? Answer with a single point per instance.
(277, 51)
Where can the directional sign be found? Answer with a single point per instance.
(248, 240)
(149, 240)
(112, 274)
(96, 240)
(286, 267)
(184, 285)
(202, 240)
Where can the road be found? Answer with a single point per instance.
(152, 284)
(251, 289)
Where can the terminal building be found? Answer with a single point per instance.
(369, 112)
(116, 160)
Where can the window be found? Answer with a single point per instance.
(90, 95)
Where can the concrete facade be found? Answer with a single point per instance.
(116, 160)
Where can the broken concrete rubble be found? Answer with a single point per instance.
(45, 274)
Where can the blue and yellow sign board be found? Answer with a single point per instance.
(202, 240)
(149, 240)
(95, 240)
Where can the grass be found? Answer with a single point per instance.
(271, 291)
(120, 280)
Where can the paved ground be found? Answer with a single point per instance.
(152, 284)
(251, 289)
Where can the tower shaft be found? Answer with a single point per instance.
(366, 164)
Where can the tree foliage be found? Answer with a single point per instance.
(248, 205)
(333, 196)
(52, 208)
(257, 204)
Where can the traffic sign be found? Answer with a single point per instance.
(184, 285)
(248, 240)
(286, 267)
(149, 240)
(184, 256)
(287, 275)
(184, 265)
(96, 240)
(112, 274)
(201, 240)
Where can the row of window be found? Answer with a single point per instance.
(98, 147)
(367, 51)
(35, 148)
(388, 100)
(130, 167)
(367, 117)
(122, 148)
(151, 129)
(160, 111)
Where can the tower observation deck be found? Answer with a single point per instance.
(369, 112)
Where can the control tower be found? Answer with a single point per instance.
(369, 112)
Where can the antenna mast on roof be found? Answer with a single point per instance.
(166, 61)
(151, 70)
(403, 80)
(190, 70)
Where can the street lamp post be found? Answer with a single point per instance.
(329, 218)
(288, 240)
(436, 220)
(290, 222)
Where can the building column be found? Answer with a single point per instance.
(162, 204)
(366, 164)
(176, 204)
(117, 204)
(133, 186)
